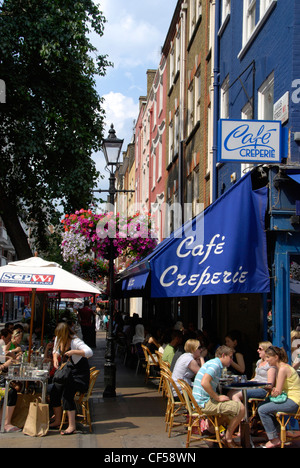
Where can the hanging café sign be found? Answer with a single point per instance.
(254, 141)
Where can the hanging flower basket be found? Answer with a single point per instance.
(91, 270)
(86, 232)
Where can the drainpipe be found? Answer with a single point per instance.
(182, 106)
(216, 101)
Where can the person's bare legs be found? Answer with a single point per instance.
(234, 423)
(72, 423)
(8, 426)
(57, 416)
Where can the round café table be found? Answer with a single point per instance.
(246, 440)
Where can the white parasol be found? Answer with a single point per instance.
(36, 275)
(43, 276)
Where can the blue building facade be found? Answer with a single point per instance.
(257, 77)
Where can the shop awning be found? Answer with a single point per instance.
(294, 174)
(220, 251)
(137, 282)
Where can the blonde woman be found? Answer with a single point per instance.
(67, 345)
(188, 364)
(263, 373)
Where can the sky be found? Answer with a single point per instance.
(133, 36)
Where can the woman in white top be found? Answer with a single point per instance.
(67, 345)
(263, 373)
(188, 364)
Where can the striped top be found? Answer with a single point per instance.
(214, 368)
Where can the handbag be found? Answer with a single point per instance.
(279, 399)
(37, 421)
(63, 375)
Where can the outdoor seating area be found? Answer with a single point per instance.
(31, 354)
(183, 414)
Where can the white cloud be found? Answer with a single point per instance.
(121, 111)
(131, 37)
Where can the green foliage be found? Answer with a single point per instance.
(53, 119)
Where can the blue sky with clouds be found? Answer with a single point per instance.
(134, 34)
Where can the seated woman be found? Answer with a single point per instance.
(287, 381)
(237, 364)
(188, 364)
(263, 373)
(67, 345)
(13, 348)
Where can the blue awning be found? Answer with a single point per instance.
(220, 251)
(135, 282)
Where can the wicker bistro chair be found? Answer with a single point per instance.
(176, 410)
(195, 415)
(163, 371)
(162, 365)
(161, 380)
(284, 419)
(82, 402)
(151, 362)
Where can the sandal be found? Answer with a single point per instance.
(12, 429)
(63, 433)
(271, 445)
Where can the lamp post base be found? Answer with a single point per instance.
(109, 380)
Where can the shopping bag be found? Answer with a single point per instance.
(21, 410)
(37, 421)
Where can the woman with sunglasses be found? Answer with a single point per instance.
(263, 373)
(287, 381)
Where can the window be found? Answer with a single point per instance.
(225, 9)
(153, 169)
(192, 207)
(176, 133)
(161, 95)
(266, 99)
(190, 110)
(172, 66)
(247, 111)
(194, 15)
(197, 84)
(177, 58)
(159, 169)
(225, 99)
(264, 5)
(248, 19)
(171, 139)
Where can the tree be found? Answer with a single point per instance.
(52, 121)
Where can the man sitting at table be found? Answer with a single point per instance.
(205, 393)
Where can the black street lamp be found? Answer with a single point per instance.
(112, 149)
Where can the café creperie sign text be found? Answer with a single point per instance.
(256, 141)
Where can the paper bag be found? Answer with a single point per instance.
(37, 421)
